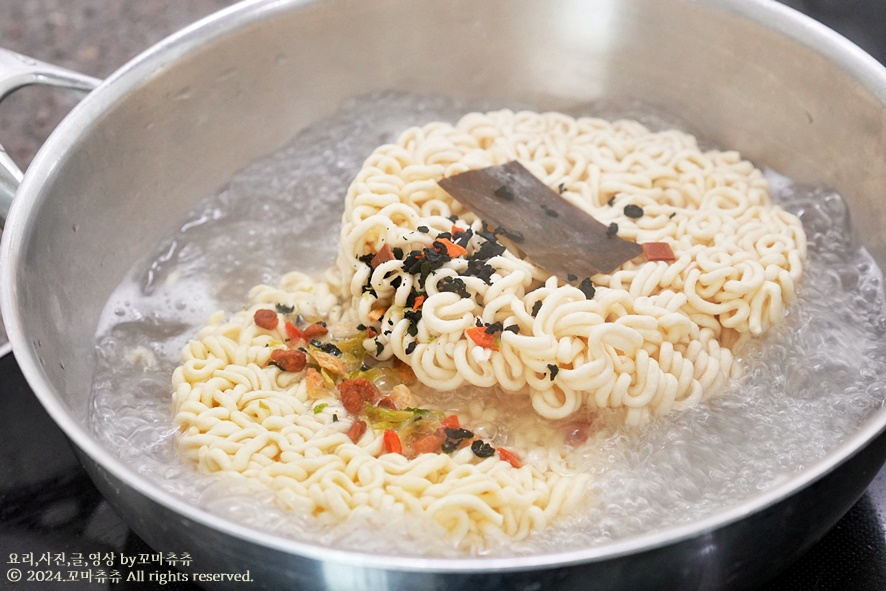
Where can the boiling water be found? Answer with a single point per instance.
(807, 385)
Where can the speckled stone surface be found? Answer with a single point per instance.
(93, 37)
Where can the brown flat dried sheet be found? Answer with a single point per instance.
(556, 235)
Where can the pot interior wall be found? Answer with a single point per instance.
(175, 125)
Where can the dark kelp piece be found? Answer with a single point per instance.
(557, 235)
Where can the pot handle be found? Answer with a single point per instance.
(16, 71)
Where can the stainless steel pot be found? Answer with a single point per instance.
(175, 123)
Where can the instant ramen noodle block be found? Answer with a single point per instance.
(656, 335)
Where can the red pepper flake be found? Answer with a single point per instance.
(391, 442)
(289, 359)
(482, 338)
(384, 255)
(453, 249)
(371, 332)
(293, 333)
(376, 314)
(509, 457)
(419, 300)
(358, 428)
(658, 251)
(427, 444)
(450, 422)
(314, 330)
(266, 319)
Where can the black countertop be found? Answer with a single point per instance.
(48, 506)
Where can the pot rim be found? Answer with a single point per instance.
(786, 21)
